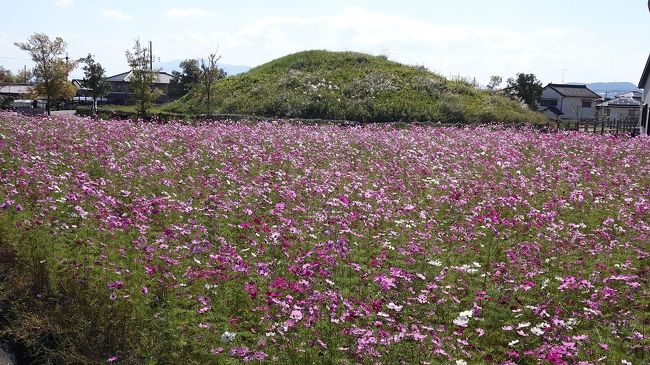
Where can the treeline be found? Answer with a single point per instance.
(52, 67)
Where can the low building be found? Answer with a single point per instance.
(16, 91)
(636, 95)
(575, 102)
(644, 84)
(119, 93)
(620, 108)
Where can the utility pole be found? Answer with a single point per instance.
(150, 57)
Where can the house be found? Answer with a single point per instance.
(576, 102)
(119, 93)
(16, 91)
(81, 91)
(620, 108)
(644, 84)
(636, 95)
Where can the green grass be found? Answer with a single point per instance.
(353, 86)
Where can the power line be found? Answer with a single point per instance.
(16, 58)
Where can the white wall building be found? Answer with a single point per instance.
(572, 101)
(620, 108)
(644, 84)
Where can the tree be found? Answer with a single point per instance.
(527, 88)
(94, 80)
(182, 82)
(210, 73)
(6, 77)
(52, 68)
(142, 79)
(495, 82)
(24, 76)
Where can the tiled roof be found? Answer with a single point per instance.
(578, 91)
(631, 94)
(163, 77)
(119, 77)
(621, 102)
(16, 89)
(552, 109)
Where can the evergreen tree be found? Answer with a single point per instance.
(525, 87)
(94, 80)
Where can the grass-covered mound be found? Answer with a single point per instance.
(353, 86)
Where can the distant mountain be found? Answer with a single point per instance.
(609, 89)
(231, 70)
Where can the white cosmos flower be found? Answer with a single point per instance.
(227, 337)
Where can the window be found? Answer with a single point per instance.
(634, 113)
(548, 102)
(586, 103)
(607, 112)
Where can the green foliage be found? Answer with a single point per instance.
(353, 86)
(142, 79)
(6, 76)
(6, 102)
(526, 88)
(24, 76)
(182, 82)
(51, 67)
(94, 79)
(494, 83)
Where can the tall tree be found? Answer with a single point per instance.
(94, 80)
(52, 67)
(142, 78)
(525, 87)
(182, 82)
(210, 72)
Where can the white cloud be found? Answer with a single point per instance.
(63, 3)
(450, 49)
(116, 14)
(188, 13)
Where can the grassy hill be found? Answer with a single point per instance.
(353, 86)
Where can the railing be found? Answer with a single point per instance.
(622, 126)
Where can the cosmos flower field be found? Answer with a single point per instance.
(295, 244)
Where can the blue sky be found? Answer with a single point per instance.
(582, 40)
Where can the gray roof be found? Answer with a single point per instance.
(646, 71)
(578, 91)
(552, 109)
(163, 77)
(622, 102)
(16, 89)
(631, 94)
